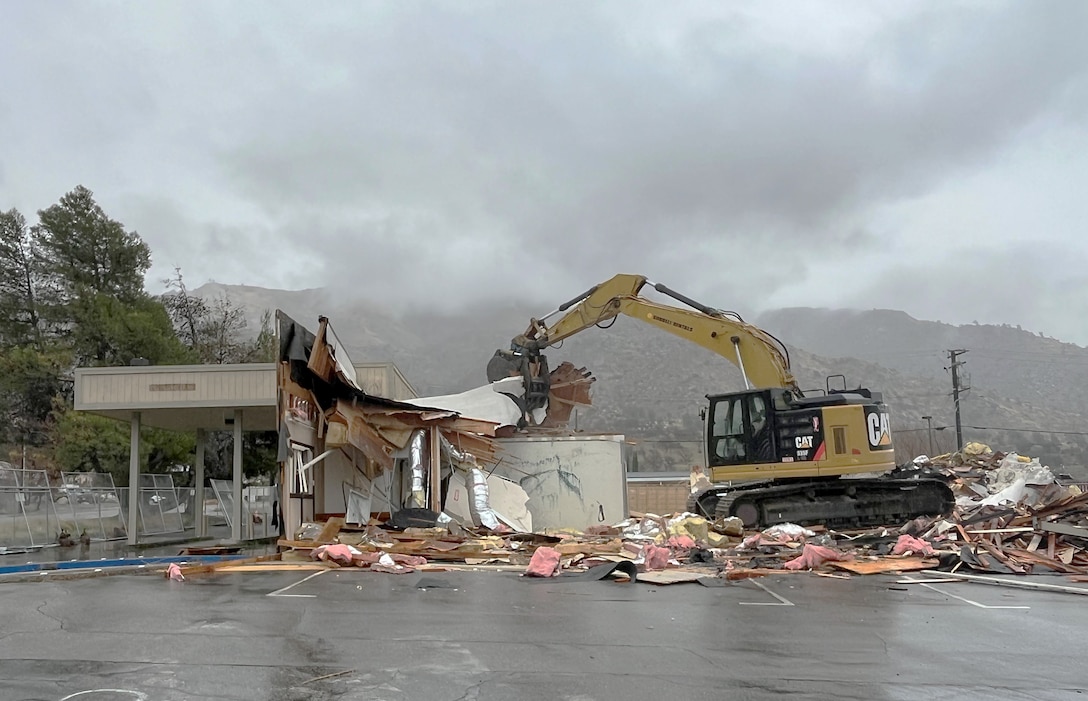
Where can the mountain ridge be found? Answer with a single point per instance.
(651, 384)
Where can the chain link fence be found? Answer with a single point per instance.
(28, 513)
(256, 508)
(35, 512)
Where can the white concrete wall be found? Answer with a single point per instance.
(572, 482)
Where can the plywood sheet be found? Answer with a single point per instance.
(672, 576)
(905, 564)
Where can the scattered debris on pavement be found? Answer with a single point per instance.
(1011, 517)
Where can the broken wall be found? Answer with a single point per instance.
(572, 481)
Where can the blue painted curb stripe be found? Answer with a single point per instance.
(121, 562)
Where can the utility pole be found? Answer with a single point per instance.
(929, 421)
(954, 366)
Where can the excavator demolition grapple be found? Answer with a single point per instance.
(773, 454)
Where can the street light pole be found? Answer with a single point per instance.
(929, 420)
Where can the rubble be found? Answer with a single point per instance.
(1011, 517)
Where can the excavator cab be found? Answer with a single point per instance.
(741, 427)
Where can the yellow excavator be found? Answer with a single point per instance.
(774, 455)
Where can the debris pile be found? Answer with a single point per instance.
(1011, 516)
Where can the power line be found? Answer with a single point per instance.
(1019, 430)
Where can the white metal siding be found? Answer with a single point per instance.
(123, 388)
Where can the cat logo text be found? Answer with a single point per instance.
(878, 427)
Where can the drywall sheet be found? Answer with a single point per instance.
(572, 482)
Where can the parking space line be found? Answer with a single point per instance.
(922, 583)
(139, 695)
(782, 601)
(279, 592)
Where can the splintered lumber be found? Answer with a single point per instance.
(480, 446)
(216, 566)
(906, 564)
(1035, 558)
(349, 425)
(1001, 557)
(329, 531)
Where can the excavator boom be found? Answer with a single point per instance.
(762, 359)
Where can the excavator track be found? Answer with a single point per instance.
(836, 503)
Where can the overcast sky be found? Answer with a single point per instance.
(930, 157)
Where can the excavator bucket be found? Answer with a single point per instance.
(569, 388)
(559, 390)
(533, 371)
(504, 364)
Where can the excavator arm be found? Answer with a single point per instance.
(762, 359)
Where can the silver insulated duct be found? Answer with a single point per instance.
(481, 506)
(415, 463)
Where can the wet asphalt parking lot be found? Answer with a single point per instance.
(286, 636)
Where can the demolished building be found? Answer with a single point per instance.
(347, 453)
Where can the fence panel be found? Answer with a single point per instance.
(160, 510)
(91, 500)
(256, 508)
(28, 515)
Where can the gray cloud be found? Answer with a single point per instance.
(1014, 284)
(440, 154)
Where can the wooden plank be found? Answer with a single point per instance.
(320, 361)
(1048, 562)
(203, 569)
(469, 425)
(666, 577)
(746, 573)
(481, 447)
(434, 483)
(358, 433)
(906, 564)
(456, 567)
(1034, 544)
(1001, 557)
(276, 567)
(329, 531)
(610, 548)
(1023, 529)
(1051, 542)
(296, 544)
